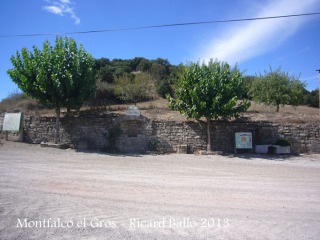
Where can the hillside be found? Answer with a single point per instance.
(257, 112)
(147, 81)
(158, 110)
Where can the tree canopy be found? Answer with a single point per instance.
(58, 76)
(134, 89)
(277, 88)
(117, 79)
(209, 90)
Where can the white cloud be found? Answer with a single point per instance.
(62, 7)
(53, 9)
(257, 37)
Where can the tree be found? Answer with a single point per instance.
(314, 98)
(209, 91)
(163, 87)
(247, 83)
(144, 65)
(100, 63)
(59, 76)
(135, 62)
(134, 89)
(166, 86)
(277, 88)
(105, 74)
(160, 69)
(121, 67)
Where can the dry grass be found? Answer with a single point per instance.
(158, 110)
(286, 114)
(18, 102)
(287, 109)
(257, 112)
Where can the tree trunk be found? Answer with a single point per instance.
(209, 135)
(56, 136)
(278, 108)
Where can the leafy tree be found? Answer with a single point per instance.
(59, 76)
(106, 74)
(144, 65)
(247, 83)
(277, 88)
(135, 62)
(160, 69)
(167, 85)
(134, 89)
(306, 98)
(163, 87)
(314, 98)
(297, 90)
(209, 91)
(100, 63)
(162, 73)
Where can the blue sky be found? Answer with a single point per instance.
(292, 43)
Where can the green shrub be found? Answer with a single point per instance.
(153, 145)
(134, 89)
(282, 142)
(163, 87)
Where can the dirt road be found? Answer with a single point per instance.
(63, 194)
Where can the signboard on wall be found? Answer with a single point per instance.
(12, 122)
(133, 111)
(243, 140)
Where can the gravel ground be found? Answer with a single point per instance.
(63, 194)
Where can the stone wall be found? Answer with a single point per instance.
(304, 138)
(90, 132)
(133, 134)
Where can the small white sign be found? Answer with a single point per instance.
(133, 111)
(12, 122)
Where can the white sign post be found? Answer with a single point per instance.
(12, 123)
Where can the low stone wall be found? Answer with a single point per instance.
(304, 138)
(108, 132)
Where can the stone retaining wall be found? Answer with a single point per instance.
(134, 134)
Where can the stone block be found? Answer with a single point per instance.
(202, 152)
(182, 149)
(53, 145)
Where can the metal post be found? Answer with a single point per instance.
(21, 128)
(319, 88)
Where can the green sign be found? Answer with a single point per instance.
(243, 140)
(12, 122)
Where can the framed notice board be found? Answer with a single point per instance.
(12, 122)
(243, 140)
